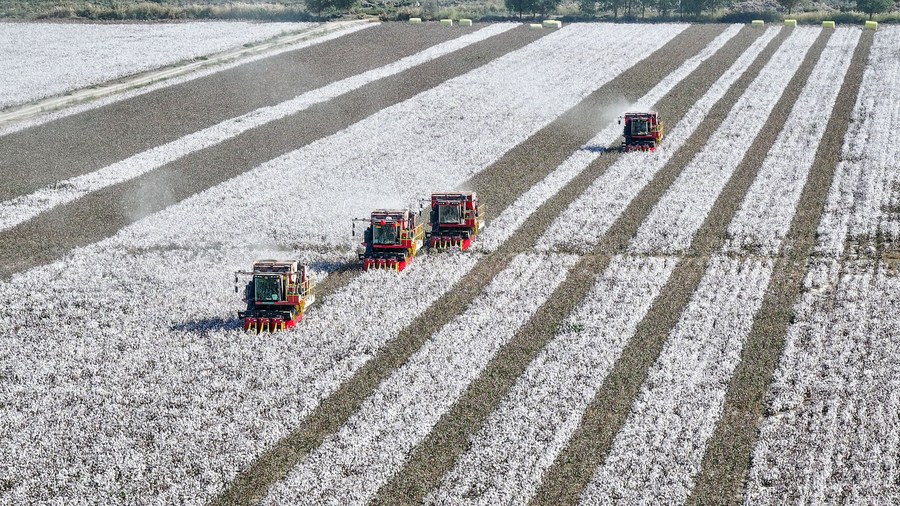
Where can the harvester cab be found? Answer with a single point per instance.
(456, 219)
(277, 295)
(643, 131)
(391, 239)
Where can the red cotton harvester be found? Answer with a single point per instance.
(643, 131)
(455, 220)
(277, 295)
(391, 240)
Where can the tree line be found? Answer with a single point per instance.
(664, 8)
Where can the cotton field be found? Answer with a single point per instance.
(41, 60)
(711, 321)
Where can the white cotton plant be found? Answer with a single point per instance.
(431, 142)
(533, 423)
(44, 59)
(503, 226)
(864, 197)
(250, 390)
(659, 449)
(581, 226)
(831, 434)
(351, 465)
(49, 116)
(768, 208)
(129, 374)
(133, 375)
(683, 208)
(23, 208)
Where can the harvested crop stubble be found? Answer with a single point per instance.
(521, 439)
(430, 460)
(683, 209)
(20, 209)
(590, 444)
(864, 200)
(232, 415)
(503, 226)
(723, 473)
(589, 217)
(449, 439)
(350, 466)
(832, 428)
(359, 166)
(660, 446)
(81, 143)
(51, 116)
(44, 59)
(133, 378)
(103, 213)
(768, 208)
(659, 449)
(534, 421)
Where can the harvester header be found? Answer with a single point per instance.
(391, 239)
(643, 131)
(277, 295)
(456, 219)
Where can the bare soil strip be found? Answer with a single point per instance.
(81, 143)
(527, 164)
(437, 454)
(499, 185)
(101, 214)
(722, 475)
(575, 466)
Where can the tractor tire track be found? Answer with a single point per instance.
(499, 186)
(432, 459)
(102, 213)
(722, 475)
(82, 143)
(575, 466)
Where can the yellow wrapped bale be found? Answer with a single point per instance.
(757, 22)
(552, 23)
(871, 25)
(447, 22)
(827, 24)
(536, 26)
(415, 20)
(465, 22)
(790, 22)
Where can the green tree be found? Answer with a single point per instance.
(544, 7)
(666, 7)
(612, 5)
(519, 6)
(692, 7)
(587, 8)
(788, 4)
(872, 7)
(320, 6)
